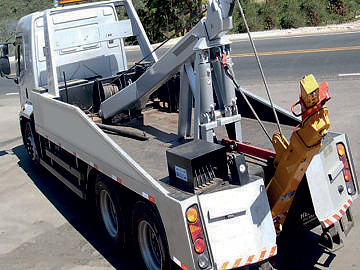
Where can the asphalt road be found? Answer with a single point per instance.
(44, 226)
(288, 58)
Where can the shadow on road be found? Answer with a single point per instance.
(76, 211)
(301, 251)
(297, 251)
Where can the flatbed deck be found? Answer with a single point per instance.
(161, 130)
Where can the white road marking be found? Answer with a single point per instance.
(11, 94)
(348, 74)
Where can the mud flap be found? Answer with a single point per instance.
(329, 194)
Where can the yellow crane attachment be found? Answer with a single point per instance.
(293, 158)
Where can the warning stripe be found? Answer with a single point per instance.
(273, 251)
(224, 266)
(250, 259)
(117, 179)
(261, 256)
(237, 263)
(94, 165)
(337, 215)
(148, 197)
(179, 263)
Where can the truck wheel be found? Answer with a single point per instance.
(149, 238)
(109, 211)
(30, 144)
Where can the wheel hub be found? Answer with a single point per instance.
(149, 244)
(108, 213)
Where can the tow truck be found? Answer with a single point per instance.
(177, 179)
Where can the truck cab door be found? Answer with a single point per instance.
(20, 68)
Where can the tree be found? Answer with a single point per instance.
(162, 18)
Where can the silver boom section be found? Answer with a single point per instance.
(201, 56)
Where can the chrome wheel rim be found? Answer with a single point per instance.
(108, 213)
(149, 246)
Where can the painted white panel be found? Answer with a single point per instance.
(238, 222)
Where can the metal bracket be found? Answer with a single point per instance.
(206, 130)
(331, 238)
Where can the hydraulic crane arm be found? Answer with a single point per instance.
(207, 32)
(136, 94)
(219, 17)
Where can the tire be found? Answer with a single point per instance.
(149, 238)
(31, 144)
(109, 211)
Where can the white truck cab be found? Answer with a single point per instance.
(83, 46)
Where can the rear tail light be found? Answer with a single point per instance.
(342, 156)
(341, 150)
(196, 231)
(191, 215)
(197, 236)
(347, 175)
(199, 246)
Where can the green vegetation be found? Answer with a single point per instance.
(12, 10)
(283, 14)
(163, 18)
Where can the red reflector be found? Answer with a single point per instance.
(199, 245)
(195, 230)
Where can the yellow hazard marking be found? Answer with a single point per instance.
(334, 49)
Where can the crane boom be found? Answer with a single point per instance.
(208, 33)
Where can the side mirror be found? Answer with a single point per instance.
(4, 50)
(4, 66)
(4, 60)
